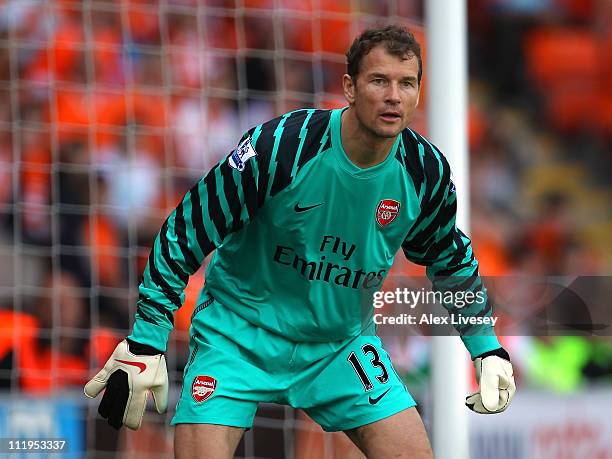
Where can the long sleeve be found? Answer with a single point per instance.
(226, 200)
(435, 242)
(221, 203)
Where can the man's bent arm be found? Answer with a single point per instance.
(225, 201)
(221, 203)
(436, 242)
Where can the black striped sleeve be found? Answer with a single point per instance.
(249, 190)
(264, 146)
(176, 269)
(230, 191)
(215, 213)
(318, 138)
(288, 150)
(435, 241)
(183, 243)
(228, 197)
(410, 156)
(162, 281)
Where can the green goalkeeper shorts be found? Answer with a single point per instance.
(234, 365)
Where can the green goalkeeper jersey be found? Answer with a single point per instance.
(304, 237)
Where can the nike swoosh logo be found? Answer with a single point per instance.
(140, 365)
(374, 401)
(297, 207)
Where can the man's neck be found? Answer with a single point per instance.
(363, 148)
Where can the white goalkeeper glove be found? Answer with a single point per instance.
(496, 380)
(132, 371)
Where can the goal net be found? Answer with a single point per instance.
(109, 112)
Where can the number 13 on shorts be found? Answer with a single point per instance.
(372, 354)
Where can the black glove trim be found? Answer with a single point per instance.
(501, 352)
(141, 349)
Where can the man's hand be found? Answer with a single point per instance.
(496, 380)
(132, 371)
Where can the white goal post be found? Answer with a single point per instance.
(446, 73)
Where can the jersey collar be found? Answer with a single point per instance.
(343, 160)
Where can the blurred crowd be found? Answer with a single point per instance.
(111, 110)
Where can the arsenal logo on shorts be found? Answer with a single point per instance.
(203, 387)
(386, 211)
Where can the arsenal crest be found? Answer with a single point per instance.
(203, 387)
(386, 211)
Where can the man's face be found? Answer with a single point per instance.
(385, 93)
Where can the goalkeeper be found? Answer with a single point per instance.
(306, 215)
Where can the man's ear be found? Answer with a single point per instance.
(348, 88)
(418, 96)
